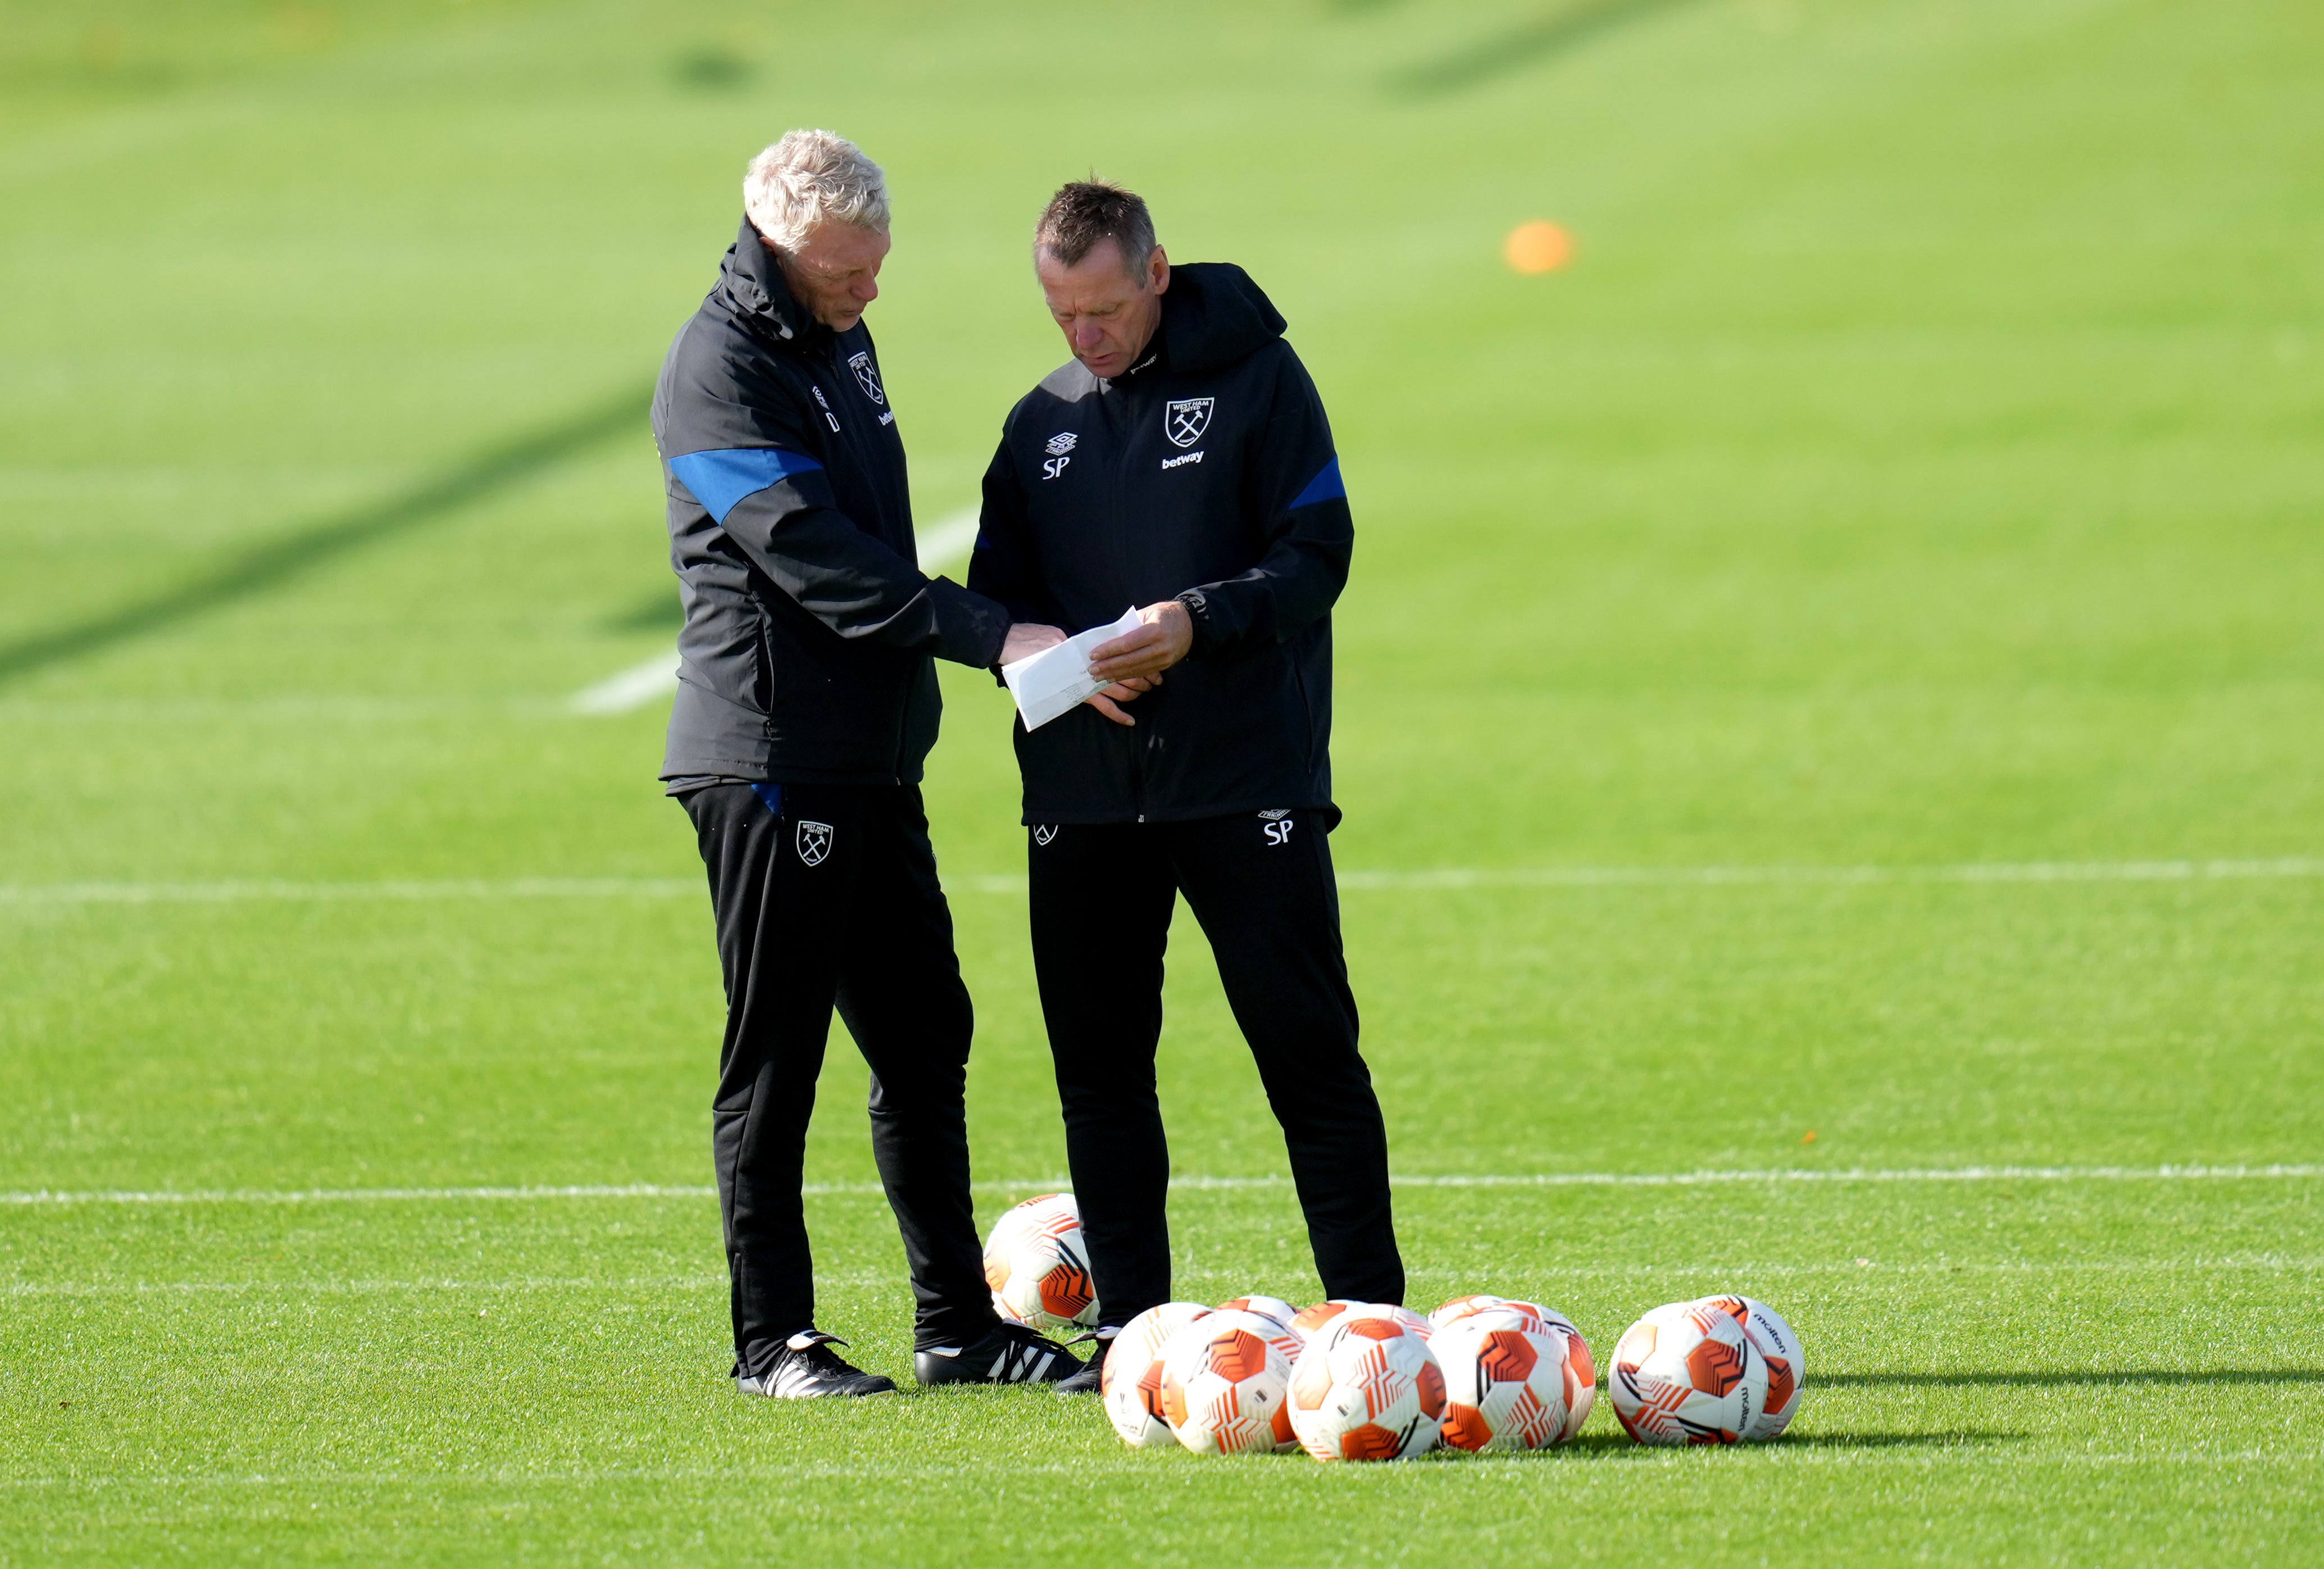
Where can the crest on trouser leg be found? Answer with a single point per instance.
(813, 841)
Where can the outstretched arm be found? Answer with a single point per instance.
(775, 502)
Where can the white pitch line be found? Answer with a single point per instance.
(714, 1281)
(2289, 867)
(1935, 1174)
(390, 1195)
(361, 1287)
(236, 890)
(2190, 1173)
(1859, 1268)
(941, 544)
(629, 689)
(946, 541)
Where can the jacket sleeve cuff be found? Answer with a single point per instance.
(970, 627)
(1198, 614)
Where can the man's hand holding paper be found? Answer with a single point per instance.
(1057, 678)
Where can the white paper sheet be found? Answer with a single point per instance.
(1057, 680)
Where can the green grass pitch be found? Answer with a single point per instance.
(1917, 470)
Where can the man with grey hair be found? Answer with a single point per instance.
(806, 702)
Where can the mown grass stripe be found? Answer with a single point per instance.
(1935, 1174)
(1802, 1447)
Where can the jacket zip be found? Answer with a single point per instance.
(1120, 496)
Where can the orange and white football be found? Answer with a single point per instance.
(1225, 1383)
(1367, 1388)
(1038, 1265)
(1505, 1383)
(1129, 1382)
(1686, 1373)
(1787, 1367)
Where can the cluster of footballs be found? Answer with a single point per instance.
(1358, 1380)
(1349, 1380)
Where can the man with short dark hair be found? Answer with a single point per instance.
(806, 702)
(1182, 462)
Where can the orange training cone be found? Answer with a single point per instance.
(1539, 246)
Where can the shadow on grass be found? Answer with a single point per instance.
(2098, 1378)
(257, 569)
(1512, 48)
(659, 611)
(1615, 1443)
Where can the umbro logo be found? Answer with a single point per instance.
(1063, 442)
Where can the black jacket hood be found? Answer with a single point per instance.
(751, 283)
(1213, 316)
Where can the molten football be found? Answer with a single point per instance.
(1037, 1267)
(1580, 1373)
(1224, 1379)
(1505, 1383)
(1686, 1373)
(1277, 1314)
(1308, 1320)
(1131, 1381)
(1779, 1348)
(1273, 1307)
(1390, 1311)
(1367, 1388)
(1461, 1307)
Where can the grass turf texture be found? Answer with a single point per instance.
(1916, 467)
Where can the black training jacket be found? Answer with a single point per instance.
(809, 628)
(1205, 472)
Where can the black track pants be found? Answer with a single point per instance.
(1263, 890)
(825, 895)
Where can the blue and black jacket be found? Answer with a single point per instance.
(809, 627)
(1206, 471)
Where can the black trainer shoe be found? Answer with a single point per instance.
(1089, 1380)
(806, 1368)
(1011, 1354)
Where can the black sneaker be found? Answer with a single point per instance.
(1011, 1354)
(1090, 1380)
(806, 1368)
